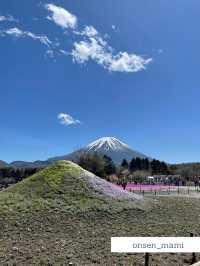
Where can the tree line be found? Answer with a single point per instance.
(135, 170)
(103, 166)
(12, 175)
(155, 167)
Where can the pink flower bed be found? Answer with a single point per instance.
(138, 187)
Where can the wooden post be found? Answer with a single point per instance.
(146, 259)
(193, 260)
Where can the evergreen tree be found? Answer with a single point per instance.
(109, 166)
(146, 164)
(158, 167)
(138, 163)
(155, 167)
(124, 164)
(164, 168)
(132, 165)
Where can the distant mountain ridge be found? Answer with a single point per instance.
(109, 146)
(2, 164)
(23, 164)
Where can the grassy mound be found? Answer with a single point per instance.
(57, 186)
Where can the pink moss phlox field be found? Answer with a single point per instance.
(148, 187)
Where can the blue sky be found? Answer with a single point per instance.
(73, 71)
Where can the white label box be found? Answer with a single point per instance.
(155, 244)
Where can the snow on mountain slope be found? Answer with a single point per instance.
(107, 143)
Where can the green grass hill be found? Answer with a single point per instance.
(62, 185)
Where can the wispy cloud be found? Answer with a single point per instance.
(88, 31)
(66, 119)
(43, 39)
(94, 47)
(8, 18)
(18, 33)
(61, 16)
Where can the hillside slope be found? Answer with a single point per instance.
(65, 185)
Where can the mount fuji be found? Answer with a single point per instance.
(109, 146)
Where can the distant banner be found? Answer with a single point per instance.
(155, 244)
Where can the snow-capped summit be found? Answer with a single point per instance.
(107, 143)
(110, 146)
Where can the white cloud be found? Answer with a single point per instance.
(88, 31)
(8, 18)
(124, 62)
(93, 47)
(41, 38)
(50, 53)
(63, 52)
(13, 32)
(113, 27)
(61, 16)
(66, 119)
(18, 33)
